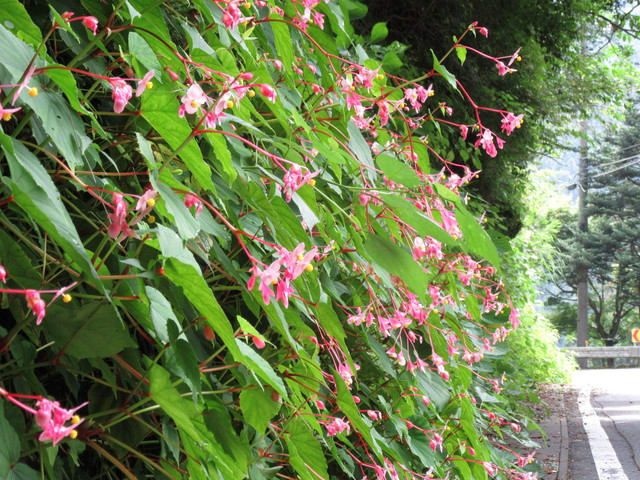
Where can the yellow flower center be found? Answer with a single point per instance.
(6, 117)
(32, 92)
(151, 202)
(73, 434)
(230, 104)
(380, 76)
(75, 420)
(519, 58)
(309, 268)
(251, 93)
(66, 298)
(151, 219)
(194, 104)
(312, 182)
(300, 257)
(149, 85)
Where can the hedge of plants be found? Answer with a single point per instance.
(232, 247)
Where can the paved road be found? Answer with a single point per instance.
(609, 405)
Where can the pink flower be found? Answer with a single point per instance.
(485, 140)
(24, 84)
(510, 122)
(232, 16)
(192, 100)
(36, 304)
(258, 342)
(52, 419)
(118, 218)
(464, 130)
(320, 405)
(337, 426)
(514, 318)
(145, 82)
(318, 19)
(490, 468)
(268, 91)
(91, 23)
(503, 69)
(190, 200)
(297, 261)
(121, 94)
(294, 179)
(278, 65)
(283, 291)
(3, 274)
(484, 31)
(374, 415)
(6, 113)
(365, 76)
(268, 277)
(146, 201)
(436, 442)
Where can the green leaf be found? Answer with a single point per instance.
(190, 422)
(461, 52)
(141, 51)
(409, 213)
(475, 238)
(37, 195)
(162, 315)
(160, 109)
(305, 452)
(359, 146)
(21, 471)
(9, 446)
(283, 43)
(91, 331)
(379, 32)
(258, 365)
(397, 261)
(56, 118)
(184, 221)
(183, 271)
(14, 17)
(258, 408)
(398, 172)
(18, 265)
(441, 69)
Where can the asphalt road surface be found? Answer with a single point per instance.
(609, 409)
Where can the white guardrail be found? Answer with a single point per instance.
(604, 352)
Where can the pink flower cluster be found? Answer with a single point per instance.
(121, 91)
(36, 305)
(52, 419)
(281, 273)
(49, 416)
(337, 426)
(294, 179)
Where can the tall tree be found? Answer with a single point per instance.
(610, 250)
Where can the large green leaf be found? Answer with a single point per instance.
(183, 271)
(258, 408)
(475, 238)
(58, 121)
(305, 452)
(9, 446)
(190, 422)
(397, 261)
(37, 195)
(91, 331)
(258, 365)
(397, 171)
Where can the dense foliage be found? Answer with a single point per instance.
(610, 249)
(237, 244)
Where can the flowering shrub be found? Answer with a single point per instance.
(230, 238)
